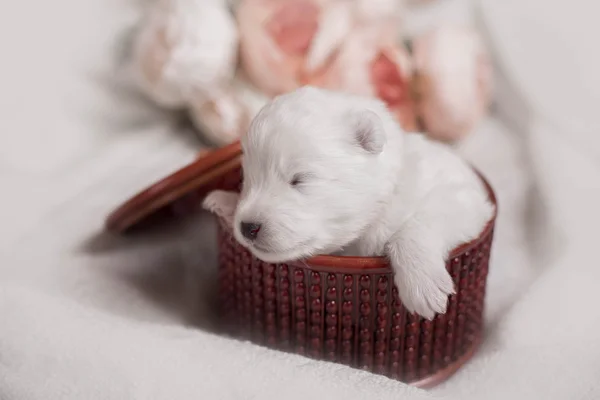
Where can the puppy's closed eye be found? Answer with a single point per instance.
(298, 179)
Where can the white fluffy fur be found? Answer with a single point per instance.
(362, 182)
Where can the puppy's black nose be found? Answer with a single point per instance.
(249, 230)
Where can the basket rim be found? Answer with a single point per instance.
(225, 159)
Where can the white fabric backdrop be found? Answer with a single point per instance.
(84, 316)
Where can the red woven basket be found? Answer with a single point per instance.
(341, 309)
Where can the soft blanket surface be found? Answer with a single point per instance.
(86, 316)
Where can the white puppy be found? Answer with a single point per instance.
(325, 170)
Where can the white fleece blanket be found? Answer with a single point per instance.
(85, 316)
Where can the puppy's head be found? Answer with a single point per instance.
(317, 166)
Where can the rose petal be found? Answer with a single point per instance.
(293, 26)
(275, 37)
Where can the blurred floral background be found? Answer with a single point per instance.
(219, 61)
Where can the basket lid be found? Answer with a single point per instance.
(174, 188)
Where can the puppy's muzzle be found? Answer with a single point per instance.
(250, 230)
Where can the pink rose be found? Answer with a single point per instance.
(340, 45)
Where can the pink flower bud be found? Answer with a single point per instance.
(454, 81)
(341, 45)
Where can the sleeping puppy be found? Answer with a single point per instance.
(325, 170)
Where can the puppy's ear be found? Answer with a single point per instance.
(368, 130)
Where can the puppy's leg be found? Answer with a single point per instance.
(417, 255)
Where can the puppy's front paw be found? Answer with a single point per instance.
(222, 203)
(425, 291)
